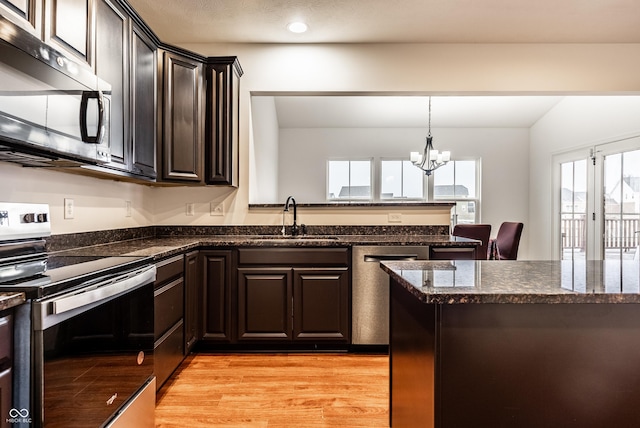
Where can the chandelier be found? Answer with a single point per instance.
(430, 159)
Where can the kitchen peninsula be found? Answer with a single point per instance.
(514, 344)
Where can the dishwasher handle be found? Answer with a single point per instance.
(390, 257)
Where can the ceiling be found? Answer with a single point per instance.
(188, 22)
(399, 21)
(411, 111)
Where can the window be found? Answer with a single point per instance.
(400, 179)
(349, 179)
(457, 181)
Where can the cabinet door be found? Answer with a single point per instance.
(144, 69)
(27, 14)
(222, 127)
(264, 304)
(321, 305)
(192, 299)
(218, 278)
(68, 27)
(112, 65)
(182, 135)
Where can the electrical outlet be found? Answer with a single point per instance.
(69, 208)
(395, 218)
(217, 208)
(127, 207)
(191, 209)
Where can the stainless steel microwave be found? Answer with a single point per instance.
(51, 109)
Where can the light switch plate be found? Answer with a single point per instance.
(127, 207)
(69, 208)
(191, 209)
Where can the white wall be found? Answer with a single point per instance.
(386, 68)
(303, 154)
(99, 204)
(576, 122)
(263, 155)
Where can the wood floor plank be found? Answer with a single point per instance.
(277, 390)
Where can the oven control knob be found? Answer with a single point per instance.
(43, 218)
(29, 218)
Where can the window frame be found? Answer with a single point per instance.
(372, 176)
(478, 191)
(401, 199)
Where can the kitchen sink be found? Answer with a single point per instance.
(296, 238)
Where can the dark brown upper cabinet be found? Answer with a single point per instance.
(222, 120)
(125, 57)
(144, 116)
(183, 124)
(112, 65)
(27, 14)
(68, 28)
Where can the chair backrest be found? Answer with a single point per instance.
(481, 232)
(508, 240)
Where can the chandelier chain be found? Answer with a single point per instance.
(429, 116)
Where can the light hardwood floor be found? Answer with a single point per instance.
(277, 390)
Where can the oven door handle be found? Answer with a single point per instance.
(102, 291)
(57, 309)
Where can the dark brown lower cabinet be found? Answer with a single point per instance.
(192, 299)
(264, 304)
(321, 306)
(296, 296)
(6, 362)
(168, 313)
(218, 269)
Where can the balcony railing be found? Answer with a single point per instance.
(618, 233)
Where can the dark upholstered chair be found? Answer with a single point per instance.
(481, 232)
(507, 240)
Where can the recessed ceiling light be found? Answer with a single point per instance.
(297, 27)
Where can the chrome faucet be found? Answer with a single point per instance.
(294, 227)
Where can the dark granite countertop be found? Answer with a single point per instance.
(10, 299)
(459, 282)
(162, 247)
(360, 204)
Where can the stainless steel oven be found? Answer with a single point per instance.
(84, 338)
(93, 349)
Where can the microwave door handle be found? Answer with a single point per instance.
(84, 134)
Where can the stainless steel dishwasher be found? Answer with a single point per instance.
(370, 290)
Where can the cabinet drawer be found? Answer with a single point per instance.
(169, 269)
(168, 353)
(452, 253)
(168, 306)
(294, 256)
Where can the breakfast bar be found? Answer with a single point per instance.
(514, 343)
